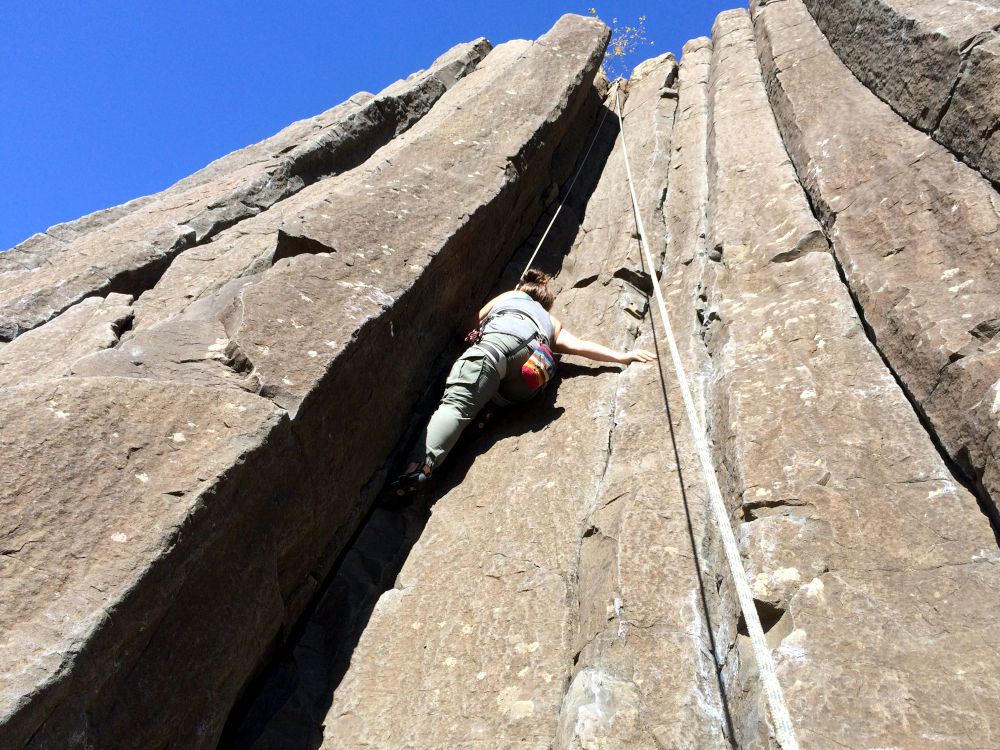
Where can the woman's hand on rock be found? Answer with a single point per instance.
(638, 355)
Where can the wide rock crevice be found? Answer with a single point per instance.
(525, 568)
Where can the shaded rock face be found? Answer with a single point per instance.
(195, 430)
(934, 63)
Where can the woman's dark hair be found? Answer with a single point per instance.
(535, 284)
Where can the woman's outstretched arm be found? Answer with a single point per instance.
(567, 343)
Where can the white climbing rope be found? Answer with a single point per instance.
(579, 169)
(783, 729)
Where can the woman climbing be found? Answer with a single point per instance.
(509, 361)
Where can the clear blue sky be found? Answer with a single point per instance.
(102, 101)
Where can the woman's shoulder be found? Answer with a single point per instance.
(499, 300)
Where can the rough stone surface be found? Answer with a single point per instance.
(243, 568)
(483, 625)
(829, 469)
(454, 177)
(37, 249)
(642, 677)
(316, 329)
(249, 247)
(934, 63)
(189, 347)
(914, 230)
(128, 249)
(122, 558)
(287, 709)
(185, 470)
(51, 350)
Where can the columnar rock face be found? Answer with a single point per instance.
(539, 562)
(194, 431)
(185, 488)
(831, 471)
(642, 619)
(935, 63)
(914, 231)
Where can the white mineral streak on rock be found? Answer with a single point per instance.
(597, 708)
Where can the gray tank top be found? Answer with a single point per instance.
(518, 316)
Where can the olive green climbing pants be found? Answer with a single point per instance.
(472, 382)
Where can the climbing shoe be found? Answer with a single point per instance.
(484, 417)
(408, 484)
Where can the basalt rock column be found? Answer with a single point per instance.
(179, 330)
(914, 231)
(127, 249)
(830, 471)
(642, 674)
(166, 528)
(138, 553)
(937, 64)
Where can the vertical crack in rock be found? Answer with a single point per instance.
(636, 586)
(683, 278)
(518, 569)
(961, 471)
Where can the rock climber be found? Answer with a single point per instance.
(510, 360)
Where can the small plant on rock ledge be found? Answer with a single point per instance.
(625, 42)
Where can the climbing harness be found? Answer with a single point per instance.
(783, 729)
(579, 169)
(539, 368)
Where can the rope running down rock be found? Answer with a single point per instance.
(579, 169)
(783, 729)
